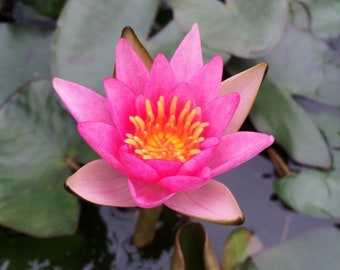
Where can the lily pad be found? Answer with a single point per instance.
(312, 192)
(87, 33)
(317, 249)
(306, 66)
(239, 27)
(325, 18)
(24, 54)
(275, 112)
(36, 138)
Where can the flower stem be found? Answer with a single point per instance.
(146, 226)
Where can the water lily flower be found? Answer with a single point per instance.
(163, 134)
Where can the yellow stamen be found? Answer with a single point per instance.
(172, 137)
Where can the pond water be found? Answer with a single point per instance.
(103, 239)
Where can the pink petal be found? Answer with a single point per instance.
(164, 167)
(121, 104)
(99, 183)
(162, 79)
(237, 148)
(188, 59)
(83, 103)
(184, 93)
(137, 168)
(196, 163)
(247, 83)
(206, 83)
(148, 195)
(130, 68)
(213, 202)
(180, 183)
(218, 114)
(104, 139)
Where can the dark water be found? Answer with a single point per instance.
(104, 235)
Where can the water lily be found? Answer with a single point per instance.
(163, 134)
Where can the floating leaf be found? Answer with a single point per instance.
(325, 18)
(87, 33)
(305, 66)
(24, 54)
(317, 249)
(240, 244)
(240, 27)
(312, 192)
(36, 138)
(193, 250)
(275, 112)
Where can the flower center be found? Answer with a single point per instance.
(167, 136)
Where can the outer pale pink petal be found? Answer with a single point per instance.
(148, 195)
(237, 148)
(130, 68)
(162, 79)
(83, 103)
(247, 83)
(104, 139)
(181, 183)
(121, 104)
(206, 83)
(188, 59)
(218, 114)
(213, 202)
(99, 183)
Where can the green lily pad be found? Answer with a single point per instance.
(275, 112)
(24, 54)
(240, 244)
(312, 192)
(36, 138)
(329, 122)
(325, 18)
(317, 249)
(306, 66)
(240, 27)
(87, 34)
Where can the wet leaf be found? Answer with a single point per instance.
(306, 66)
(275, 112)
(24, 54)
(313, 192)
(240, 244)
(329, 122)
(243, 28)
(83, 51)
(36, 138)
(325, 18)
(193, 249)
(317, 249)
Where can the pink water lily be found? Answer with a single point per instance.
(163, 134)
